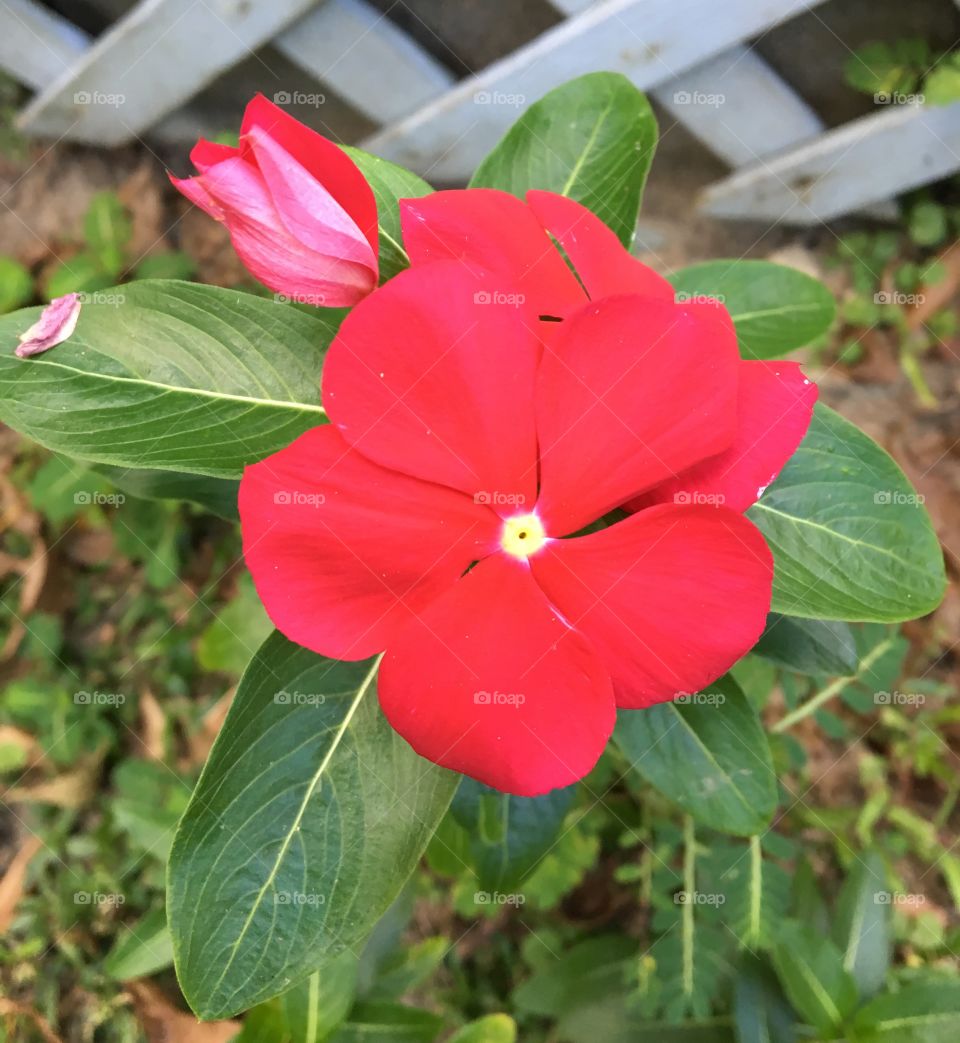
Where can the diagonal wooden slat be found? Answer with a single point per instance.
(365, 58)
(860, 163)
(651, 41)
(37, 46)
(739, 107)
(153, 60)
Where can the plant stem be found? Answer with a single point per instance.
(834, 688)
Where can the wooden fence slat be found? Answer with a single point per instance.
(651, 41)
(739, 107)
(863, 162)
(365, 58)
(37, 46)
(153, 60)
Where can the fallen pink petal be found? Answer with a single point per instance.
(56, 324)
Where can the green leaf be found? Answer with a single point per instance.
(81, 274)
(16, 285)
(141, 949)
(390, 183)
(585, 973)
(924, 1012)
(591, 139)
(850, 538)
(235, 633)
(942, 84)
(166, 266)
(217, 495)
(774, 308)
(494, 1028)
(107, 231)
(861, 926)
(508, 835)
(389, 1023)
(309, 816)
(727, 780)
(407, 968)
(169, 375)
(761, 1013)
(312, 1010)
(808, 646)
(811, 971)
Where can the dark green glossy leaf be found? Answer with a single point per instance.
(809, 646)
(774, 308)
(141, 949)
(507, 835)
(591, 139)
(170, 375)
(217, 495)
(727, 779)
(389, 1023)
(309, 816)
(849, 538)
(923, 1012)
(861, 926)
(761, 1013)
(810, 968)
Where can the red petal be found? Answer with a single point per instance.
(205, 154)
(774, 406)
(426, 378)
(490, 682)
(343, 552)
(671, 598)
(192, 188)
(328, 163)
(491, 232)
(273, 255)
(598, 257)
(308, 211)
(630, 392)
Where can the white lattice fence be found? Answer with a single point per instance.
(686, 53)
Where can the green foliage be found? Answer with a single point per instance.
(728, 781)
(592, 139)
(850, 538)
(16, 285)
(775, 309)
(320, 832)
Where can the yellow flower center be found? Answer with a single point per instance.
(522, 535)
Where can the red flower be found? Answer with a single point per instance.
(467, 441)
(300, 213)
